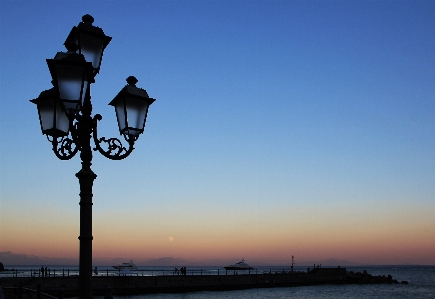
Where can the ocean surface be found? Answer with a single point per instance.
(421, 283)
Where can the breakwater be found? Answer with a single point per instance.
(63, 287)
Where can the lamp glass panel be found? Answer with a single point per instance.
(120, 115)
(92, 48)
(70, 80)
(136, 113)
(46, 114)
(54, 121)
(62, 121)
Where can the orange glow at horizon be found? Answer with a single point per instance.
(268, 238)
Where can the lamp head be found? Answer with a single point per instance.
(54, 122)
(71, 76)
(131, 107)
(90, 40)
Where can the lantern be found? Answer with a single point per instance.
(131, 107)
(90, 40)
(71, 76)
(54, 121)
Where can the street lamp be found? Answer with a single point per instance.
(65, 115)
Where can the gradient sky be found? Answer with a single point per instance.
(281, 128)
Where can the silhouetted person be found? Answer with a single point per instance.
(46, 272)
(42, 271)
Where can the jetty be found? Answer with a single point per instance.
(64, 287)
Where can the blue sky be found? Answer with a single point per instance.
(269, 115)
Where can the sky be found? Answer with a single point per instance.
(280, 128)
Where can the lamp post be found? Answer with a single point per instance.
(65, 114)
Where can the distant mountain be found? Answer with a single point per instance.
(8, 258)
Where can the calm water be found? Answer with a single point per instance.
(421, 284)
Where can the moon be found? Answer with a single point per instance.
(171, 239)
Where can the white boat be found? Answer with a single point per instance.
(239, 266)
(126, 266)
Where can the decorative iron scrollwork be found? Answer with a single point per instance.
(65, 148)
(112, 148)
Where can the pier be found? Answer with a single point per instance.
(64, 287)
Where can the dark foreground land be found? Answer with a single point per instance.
(62, 287)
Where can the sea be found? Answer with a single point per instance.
(421, 284)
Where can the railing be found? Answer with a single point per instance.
(57, 272)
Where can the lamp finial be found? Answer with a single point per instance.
(88, 19)
(132, 80)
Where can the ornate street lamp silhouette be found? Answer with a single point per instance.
(65, 115)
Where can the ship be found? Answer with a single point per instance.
(126, 266)
(239, 266)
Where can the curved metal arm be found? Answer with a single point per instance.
(115, 149)
(65, 148)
